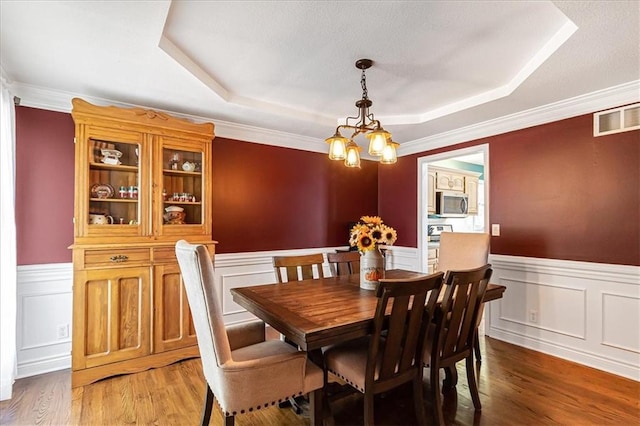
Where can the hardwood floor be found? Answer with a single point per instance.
(517, 387)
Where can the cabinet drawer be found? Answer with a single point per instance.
(432, 254)
(164, 255)
(95, 258)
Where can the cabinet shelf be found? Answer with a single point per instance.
(188, 203)
(114, 200)
(119, 167)
(170, 172)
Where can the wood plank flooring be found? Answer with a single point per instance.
(517, 387)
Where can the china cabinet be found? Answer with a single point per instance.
(142, 182)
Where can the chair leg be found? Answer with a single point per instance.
(473, 386)
(229, 421)
(476, 347)
(316, 407)
(208, 405)
(368, 409)
(436, 397)
(418, 400)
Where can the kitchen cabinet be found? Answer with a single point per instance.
(471, 189)
(142, 182)
(453, 180)
(432, 260)
(431, 193)
(449, 180)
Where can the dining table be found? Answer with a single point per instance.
(319, 312)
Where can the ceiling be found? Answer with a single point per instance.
(266, 71)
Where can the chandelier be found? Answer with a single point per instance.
(380, 143)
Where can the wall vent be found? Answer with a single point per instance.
(616, 120)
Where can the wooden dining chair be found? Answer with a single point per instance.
(344, 262)
(464, 250)
(243, 371)
(452, 338)
(383, 361)
(305, 264)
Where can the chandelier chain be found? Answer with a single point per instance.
(363, 83)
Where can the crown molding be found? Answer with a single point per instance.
(55, 100)
(622, 94)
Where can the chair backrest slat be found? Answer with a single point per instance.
(291, 264)
(344, 263)
(459, 310)
(402, 312)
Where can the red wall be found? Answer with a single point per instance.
(560, 193)
(556, 191)
(268, 198)
(264, 197)
(44, 186)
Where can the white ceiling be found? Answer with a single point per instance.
(287, 67)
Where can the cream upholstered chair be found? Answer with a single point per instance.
(243, 372)
(392, 354)
(464, 250)
(452, 338)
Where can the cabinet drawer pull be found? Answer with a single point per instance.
(119, 258)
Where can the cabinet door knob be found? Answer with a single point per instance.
(119, 258)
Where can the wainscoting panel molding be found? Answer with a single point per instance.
(581, 311)
(584, 312)
(44, 298)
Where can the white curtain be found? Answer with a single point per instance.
(8, 263)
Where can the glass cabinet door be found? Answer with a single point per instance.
(114, 185)
(182, 188)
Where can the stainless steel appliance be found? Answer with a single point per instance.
(452, 204)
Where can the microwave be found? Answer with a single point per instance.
(452, 204)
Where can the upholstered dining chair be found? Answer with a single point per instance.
(344, 262)
(383, 361)
(243, 372)
(290, 265)
(464, 250)
(452, 338)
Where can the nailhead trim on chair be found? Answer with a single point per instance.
(347, 380)
(250, 409)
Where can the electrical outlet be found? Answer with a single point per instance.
(495, 230)
(63, 331)
(533, 316)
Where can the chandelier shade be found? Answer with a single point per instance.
(380, 143)
(389, 154)
(337, 146)
(353, 155)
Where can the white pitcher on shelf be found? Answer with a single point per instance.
(100, 219)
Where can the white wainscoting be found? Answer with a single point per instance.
(44, 298)
(584, 312)
(581, 311)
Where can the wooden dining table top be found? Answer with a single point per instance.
(323, 311)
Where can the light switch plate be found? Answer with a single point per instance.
(495, 230)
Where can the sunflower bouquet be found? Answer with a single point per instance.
(369, 232)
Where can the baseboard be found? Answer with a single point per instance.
(570, 354)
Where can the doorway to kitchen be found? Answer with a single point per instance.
(472, 159)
